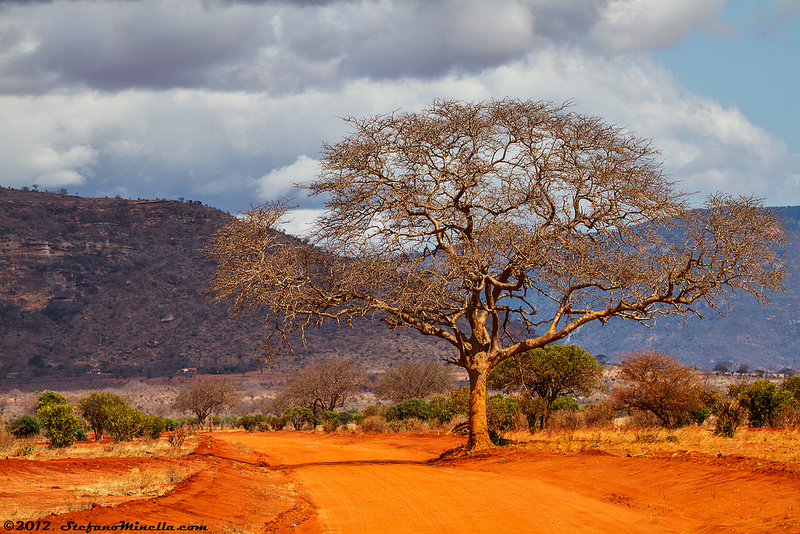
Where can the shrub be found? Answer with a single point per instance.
(176, 438)
(153, 426)
(567, 420)
(25, 426)
(792, 385)
(60, 424)
(299, 417)
(762, 400)
(657, 384)
(374, 423)
(442, 408)
(330, 421)
(250, 422)
(729, 416)
(378, 409)
(126, 423)
(412, 408)
(171, 424)
(274, 422)
(96, 408)
(500, 412)
(48, 398)
(598, 415)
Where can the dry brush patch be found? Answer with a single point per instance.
(779, 445)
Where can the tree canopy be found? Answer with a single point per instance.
(414, 380)
(500, 227)
(657, 383)
(206, 396)
(549, 373)
(324, 386)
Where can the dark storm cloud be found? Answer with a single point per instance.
(273, 45)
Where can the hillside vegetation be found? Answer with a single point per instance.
(118, 286)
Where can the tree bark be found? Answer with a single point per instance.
(478, 424)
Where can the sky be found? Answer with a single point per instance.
(229, 102)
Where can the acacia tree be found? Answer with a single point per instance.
(498, 226)
(549, 372)
(324, 386)
(204, 397)
(414, 380)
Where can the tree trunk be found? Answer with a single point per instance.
(478, 424)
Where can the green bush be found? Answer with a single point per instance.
(330, 421)
(171, 424)
(792, 385)
(81, 435)
(728, 418)
(762, 400)
(275, 422)
(442, 408)
(565, 403)
(153, 426)
(126, 423)
(412, 408)
(48, 398)
(250, 422)
(60, 423)
(25, 426)
(298, 417)
(500, 412)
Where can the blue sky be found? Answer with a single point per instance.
(229, 101)
(751, 62)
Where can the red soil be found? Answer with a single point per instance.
(313, 483)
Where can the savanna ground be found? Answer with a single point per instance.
(645, 480)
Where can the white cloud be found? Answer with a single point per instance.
(279, 182)
(626, 25)
(232, 102)
(300, 221)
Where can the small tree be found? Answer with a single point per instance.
(96, 409)
(550, 372)
(125, 423)
(414, 380)
(658, 384)
(57, 418)
(205, 397)
(762, 400)
(25, 426)
(324, 386)
(299, 417)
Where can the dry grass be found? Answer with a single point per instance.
(140, 448)
(69, 505)
(137, 483)
(781, 445)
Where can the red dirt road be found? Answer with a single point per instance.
(389, 484)
(315, 483)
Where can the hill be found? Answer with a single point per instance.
(116, 286)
